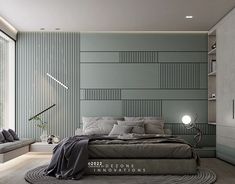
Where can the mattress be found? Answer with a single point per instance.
(139, 149)
(141, 166)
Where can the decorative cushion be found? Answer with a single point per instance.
(138, 126)
(98, 127)
(2, 138)
(154, 126)
(7, 136)
(120, 130)
(14, 135)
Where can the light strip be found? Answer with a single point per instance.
(57, 81)
(8, 25)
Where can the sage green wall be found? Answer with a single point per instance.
(111, 74)
(38, 54)
(131, 74)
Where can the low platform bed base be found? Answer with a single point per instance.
(141, 166)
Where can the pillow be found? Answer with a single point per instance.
(14, 135)
(98, 127)
(87, 120)
(153, 129)
(7, 136)
(2, 138)
(141, 118)
(138, 126)
(120, 130)
(160, 123)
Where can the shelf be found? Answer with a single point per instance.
(212, 123)
(211, 99)
(213, 51)
(212, 73)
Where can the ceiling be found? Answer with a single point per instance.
(114, 15)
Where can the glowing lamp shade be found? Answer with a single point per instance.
(186, 119)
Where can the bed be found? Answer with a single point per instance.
(145, 156)
(133, 146)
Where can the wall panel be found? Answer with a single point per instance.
(38, 54)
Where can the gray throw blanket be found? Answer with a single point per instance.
(70, 156)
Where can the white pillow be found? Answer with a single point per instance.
(98, 127)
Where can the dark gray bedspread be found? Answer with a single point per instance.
(70, 156)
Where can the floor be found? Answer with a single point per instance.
(12, 172)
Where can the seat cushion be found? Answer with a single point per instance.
(9, 146)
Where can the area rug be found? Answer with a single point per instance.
(203, 176)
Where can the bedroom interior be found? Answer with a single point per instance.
(117, 92)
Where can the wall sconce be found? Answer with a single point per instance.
(57, 81)
(187, 121)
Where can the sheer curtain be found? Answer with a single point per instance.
(7, 82)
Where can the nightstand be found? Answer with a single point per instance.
(42, 147)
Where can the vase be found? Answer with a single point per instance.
(44, 136)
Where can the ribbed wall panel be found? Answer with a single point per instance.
(101, 94)
(179, 129)
(141, 107)
(138, 57)
(4, 60)
(38, 54)
(180, 75)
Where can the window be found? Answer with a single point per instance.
(7, 82)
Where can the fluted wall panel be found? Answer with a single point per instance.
(138, 57)
(101, 94)
(180, 75)
(58, 55)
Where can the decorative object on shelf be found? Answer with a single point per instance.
(213, 95)
(187, 121)
(42, 124)
(213, 46)
(52, 139)
(213, 65)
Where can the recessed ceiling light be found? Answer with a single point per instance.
(42, 28)
(189, 17)
(57, 28)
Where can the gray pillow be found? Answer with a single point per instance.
(138, 126)
(7, 136)
(14, 135)
(159, 123)
(153, 129)
(2, 138)
(98, 127)
(120, 130)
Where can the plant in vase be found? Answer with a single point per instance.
(43, 126)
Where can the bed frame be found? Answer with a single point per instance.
(141, 166)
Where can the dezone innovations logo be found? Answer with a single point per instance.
(100, 167)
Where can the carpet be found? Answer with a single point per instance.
(203, 176)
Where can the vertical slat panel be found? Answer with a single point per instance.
(38, 54)
(100, 94)
(138, 57)
(180, 75)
